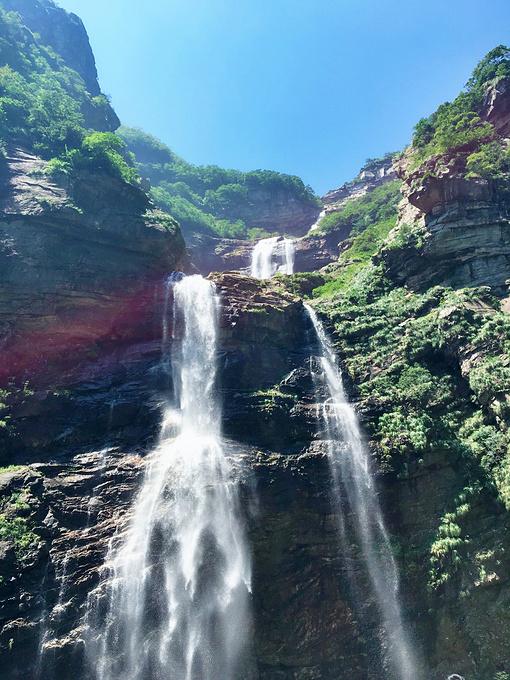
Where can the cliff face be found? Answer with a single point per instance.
(83, 262)
(219, 202)
(80, 256)
(457, 224)
(210, 254)
(100, 250)
(62, 31)
(373, 174)
(69, 506)
(275, 211)
(65, 33)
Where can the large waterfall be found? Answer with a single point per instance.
(175, 596)
(357, 503)
(272, 255)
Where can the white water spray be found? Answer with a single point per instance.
(178, 585)
(315, 225)
(272, 255)
(350, 466)
(289, 250)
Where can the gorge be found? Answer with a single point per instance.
(248, 433)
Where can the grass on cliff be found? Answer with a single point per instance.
(403, 350)
(356, 257)
(15, 527)
(369, 219)
(358, 214)
(458, 123)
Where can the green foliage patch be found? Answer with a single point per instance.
(15, 528)
(404, 352)
(98, 152)
(356, 257)
(42, 102)
(457, 124)
(378, 205)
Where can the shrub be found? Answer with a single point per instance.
(491, 161)
(456, 124)
(99, 151)
(14, 528)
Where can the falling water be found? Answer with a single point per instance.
(176, 604)
(289, 251)
(352, 477)
(315, 225)
(272, 255)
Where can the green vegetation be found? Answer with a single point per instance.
(208, 199)
(100, 152)
(43, 103)
(353, 260)
(11, 468)
(457, 124)
(399, 348)
(273, 399)
(45, 107)
(163, 220)
(446, 550)
(368, 220)
(15, 527)
(12, 396)
(357, 214)
(491, 161)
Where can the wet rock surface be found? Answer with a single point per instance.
(77, 497)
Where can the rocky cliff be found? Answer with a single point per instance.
(100, 248)
(454, 218)
(219, 202)
(374, 173)
(65, 34)
(63, 511)
(423, 337)
(67, 507)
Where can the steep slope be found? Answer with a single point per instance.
(424, 347)
(423, 332)
(81, 247)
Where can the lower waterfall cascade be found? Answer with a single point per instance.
(354, 492)
(174, 599)
(272, 255)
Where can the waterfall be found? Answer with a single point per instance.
(272, 255)
(174, 603)
(356, 500)
(289, 251)
(315, 225)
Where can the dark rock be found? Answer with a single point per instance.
(100, 265)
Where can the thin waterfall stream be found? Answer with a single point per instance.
(174, 603)
(272, 255)
(355, 493)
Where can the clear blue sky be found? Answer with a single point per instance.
(309, 87)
